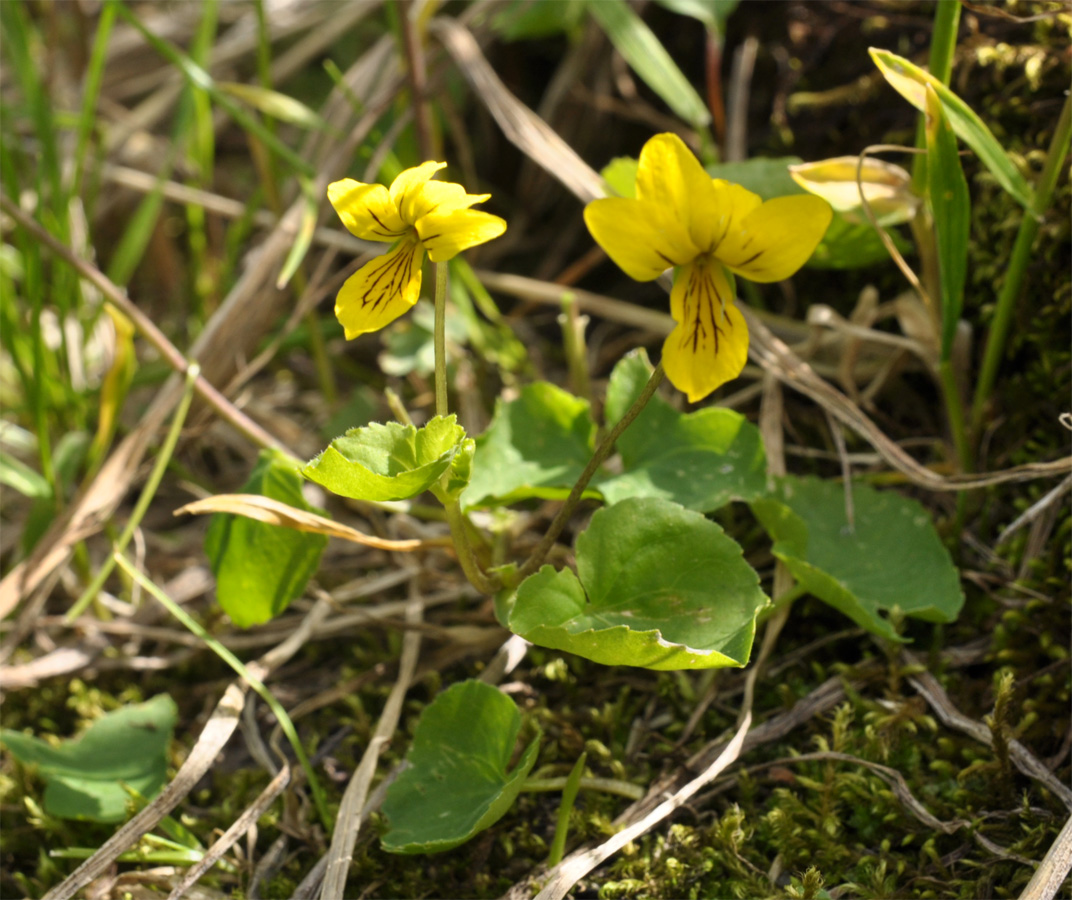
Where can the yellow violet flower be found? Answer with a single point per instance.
(418, 216)
(702, 226)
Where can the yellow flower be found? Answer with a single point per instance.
(682, 217)
(418, 216)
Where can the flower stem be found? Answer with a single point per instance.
(459, 524)
(602, 452)
(441, 339)
(1014, 274)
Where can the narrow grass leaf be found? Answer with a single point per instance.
(649, 59)
(198, 77)
(950, 202)
(713, 13)
(304, 239)
(20, 477)
(910, 81)
(273, 103)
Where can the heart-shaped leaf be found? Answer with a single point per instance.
(658, 586)
(535, 446)
(702, 460)
(261, 568)
(85, 777)
(891, 558)
(392, 461)
(459, 781)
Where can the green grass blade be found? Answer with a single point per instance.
(910, 81)
(200, 78)
(951, 208)
(87, 118)
(649, 59)
(304, 239)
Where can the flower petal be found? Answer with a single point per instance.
(445, 235)
(776, 239)
(381, 290)
(366, 210)
(639, 236)
(669, 174)
(406, 186)
(709, 346)
(437, 197)
(733, 203)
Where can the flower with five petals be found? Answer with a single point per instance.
(702, 227)
(417, 216)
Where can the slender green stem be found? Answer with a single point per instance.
(606, 785)
(955, 410)
(569, 797)
(602, 452)
(1014, 273)
(459, 524)
(235, 663)
(782, 601)
(163, 457)
(441, 339)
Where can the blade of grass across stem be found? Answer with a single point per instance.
(319, 798)
(163, 457)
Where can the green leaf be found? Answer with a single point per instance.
(535, 446)
(947, 190)
(658, 586)
(261, 568)
(702, 460)
(620, 174)
(767, 176)
(892, 558)
(389, 462)
(459, 781)
(16, 474)
(304, 238)
(713, 13)
(409, 345)
(910, 81)
(850, 245)
(85, 777)
(272, 103)
(649, 59)
(518, 20)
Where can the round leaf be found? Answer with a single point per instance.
(890, 559)
(702, 460)
(658, 586)
(389, 462)
(459, 781)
